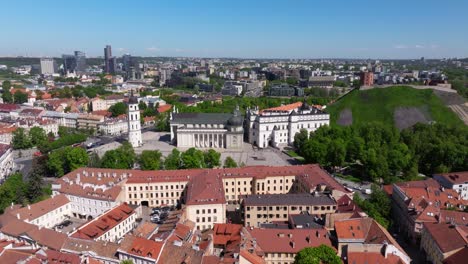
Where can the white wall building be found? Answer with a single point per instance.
(114, 127)
(134, 125)
(47, 213)
(455, 180)
(6, 161)
(277, 126)
(111, 226)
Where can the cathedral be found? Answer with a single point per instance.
(207, 130)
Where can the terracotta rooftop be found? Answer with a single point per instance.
(206, 189)
(372, 257)
(456, 177)
(9, 107)
(447, 237)
(288, 107)
(97, 227)
(41, 208)
(164, 108)
(141, 247)
(287, 199)
(252, 258)
(4, 148)
(176, 254)
(101, 248)
(289, 241)
(458, 258)
(346, 204)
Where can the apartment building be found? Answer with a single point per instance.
(111, 226)
(457, 181)
(419, 202)
(364, 238)
(47, 213)
(92, 191)
(439, 241)
(269, 208)
(140, 250)
(282, 245)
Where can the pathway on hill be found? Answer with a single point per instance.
(455, 102)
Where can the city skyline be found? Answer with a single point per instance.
(273, 29)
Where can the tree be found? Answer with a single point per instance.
(118, 109)
(20, 97)
(13, 190)
(229, 162)
(35, 178)
(6, 95)
(94, 160)
(67, 159)
(150, 160)
(172, 161)
(75, 158)
(37, 135)
(300, 139)
(212, 158)
(20, 139)
(192, 159)
(317, 255)
(121, 158)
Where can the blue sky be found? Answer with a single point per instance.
(237, 28)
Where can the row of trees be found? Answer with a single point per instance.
(45, 142)
(381, 152)
(124, 157)
(378, 206)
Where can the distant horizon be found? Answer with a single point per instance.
(242, 58)
(274, 29)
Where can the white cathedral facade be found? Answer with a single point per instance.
(277, 126)
(134, 125)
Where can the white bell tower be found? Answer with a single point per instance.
(134, 125)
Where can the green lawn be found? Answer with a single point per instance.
(379, 105)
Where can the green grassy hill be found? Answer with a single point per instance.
(399, 105)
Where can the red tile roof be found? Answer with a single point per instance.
(288, 107)
(447, 237)
(372, 257)
(9, 107)
(289, 240)
(458, 258)
(224, 234)
(252, 258)
(206, 189)
(456, 177)
(104, 223)
(363, 230)
(36, 210)
(164, 108)
(141, 247)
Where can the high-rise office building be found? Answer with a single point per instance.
(107, 59)
(69, 63)
(80, 58)
(48, 66)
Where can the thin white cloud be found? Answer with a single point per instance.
(180, 50)
(121, 49)
(400, 46)
(419, 46)
(434, 46)
(153, 49)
